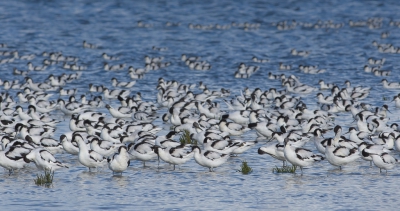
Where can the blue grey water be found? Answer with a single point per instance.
(37, 26)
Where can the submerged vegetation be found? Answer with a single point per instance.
(46, 179)
(244, 168)
(285, 169)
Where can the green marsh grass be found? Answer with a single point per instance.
(245, 168)
(185, 138)
(46, 179)
(285, 169)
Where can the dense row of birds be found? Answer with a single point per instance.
(217, 122)
(127, 132)
(371, 23)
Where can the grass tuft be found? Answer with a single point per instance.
(185, 138)
(46, 179)
(244, 168)
(285, 169)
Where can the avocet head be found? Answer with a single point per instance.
(337, 129)
(122, 149)
(196, 148)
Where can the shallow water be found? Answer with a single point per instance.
(37, 26)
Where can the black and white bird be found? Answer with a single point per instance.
(299, 156)
(143, 151)
(14, 158)
(88, 157)
(340, 155)
(209, 159)
(70, 146)
(117, 113)
(122, 84)
(71, 107)
(105, 148)
(175, 155)
(112, 94)
(120, 161)
(274, 150)
(232, 128)
(44, 160)
(383, 161)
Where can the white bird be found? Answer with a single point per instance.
(118, 114)
(274, 150)
(175, 156)
(232, 128)
(368, 149)
(42, 117)
(135, 75)
(44, 160)
(392, 85)
(284, 67)
(23, 131)
(94, 88)
(120, 161)
(209, 159)
(372, 61)
(363, 125)
(122, 84)
(295, 52)
(384, 139)
(105, 148)
(340, 155)
(89, 45)
(68, 92)
(381, 72)
(221, 146)
(108, 57)
(71, 107)
(383, 161)
(69, 146)
(324, 100)
(20, 72)
(357, 136)
(263, 128)
(14, 158)
(142, 116)
(50, 144)
(112, 94)
(42, 108)
(90, 129)
(300, 89)
(142, 151)
(242, 146)
(319, 141)
(116, 67)
(206, 111)
(36, 68)
(237, 104)
(324, 85)
(240, 117)
(21, 114)
(299, 156)
(396, 100)
(87, 157)
(111, 135)
(275, 77)
(56, 81)
(39, 86)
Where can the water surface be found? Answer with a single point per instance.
(61, 26)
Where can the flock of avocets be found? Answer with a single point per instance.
(127, 132)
